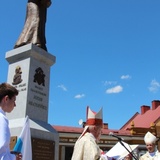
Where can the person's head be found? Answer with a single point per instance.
(95, 130)
(94, 123)
(8, 95)
(150, 141)
(128, 157)
(150, 147)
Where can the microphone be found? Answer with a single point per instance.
(119, 138)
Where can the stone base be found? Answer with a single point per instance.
(44, 137)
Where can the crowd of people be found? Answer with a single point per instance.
(86, 147)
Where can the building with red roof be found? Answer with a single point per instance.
(148, 117)
(132, 132)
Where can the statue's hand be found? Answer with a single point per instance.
(46, 3)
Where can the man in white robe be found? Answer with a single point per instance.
(152, 152)
(86, 147)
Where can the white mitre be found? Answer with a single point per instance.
(149, 138)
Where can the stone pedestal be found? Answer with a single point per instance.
(29, 72)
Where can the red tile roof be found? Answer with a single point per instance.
(144, 120)
(69, 129)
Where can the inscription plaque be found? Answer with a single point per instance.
(42, 149)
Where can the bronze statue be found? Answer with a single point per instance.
(34, 27)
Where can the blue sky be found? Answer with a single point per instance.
(107, 53)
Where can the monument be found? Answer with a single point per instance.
(29, 71)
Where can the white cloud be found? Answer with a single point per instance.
(125, 77)
(110, 83)
(78, 96)
(115, 89)
(154, 86)
(62, 87)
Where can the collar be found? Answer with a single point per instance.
(153, 153)
(1, 111)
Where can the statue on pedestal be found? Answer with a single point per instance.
(34, 27)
